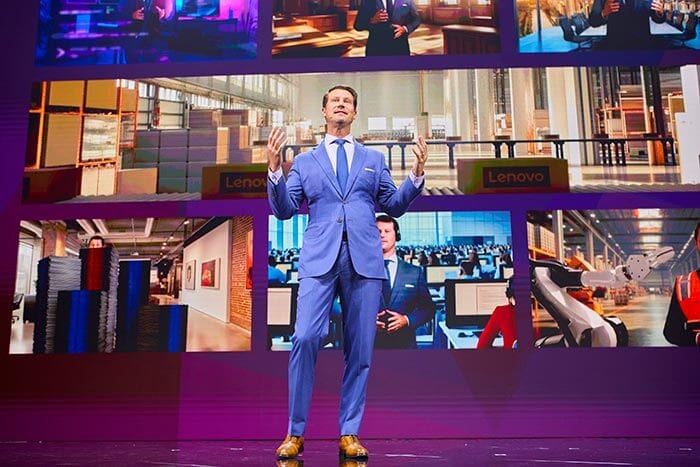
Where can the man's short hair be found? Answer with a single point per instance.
(271, 260)
(345, 88)
(387, 219)
(97, 237)
(697, 231)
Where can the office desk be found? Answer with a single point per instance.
(466, 39)
(468, 341)
(656, 29)
(303, 40)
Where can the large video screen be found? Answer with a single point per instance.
(133, 285)
(614, 278)
(613, 140)
(117, 32)
(433, 251)
(607, 25)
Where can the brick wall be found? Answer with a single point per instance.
(53, 235)
(240, 312)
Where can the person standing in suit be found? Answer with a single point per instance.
(627, 20)
(389, 23)
(341, 181)
(406, 301)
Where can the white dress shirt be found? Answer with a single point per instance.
(392, 267)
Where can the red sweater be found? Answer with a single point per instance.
(503, 320)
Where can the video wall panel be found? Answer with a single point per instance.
(131, 106)
(133, 285)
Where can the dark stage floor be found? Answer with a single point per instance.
(454, 452)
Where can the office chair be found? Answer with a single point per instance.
(16, 302)
(689, 32)
(570, 35)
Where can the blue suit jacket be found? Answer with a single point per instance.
(381, 35)
(409, 296)
(312, 178)
(629, 27)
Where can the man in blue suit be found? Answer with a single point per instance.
(341, 181)
(406, 301)
(389, 23)
(628, 22)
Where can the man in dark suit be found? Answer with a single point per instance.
(341, 180)
(406, 301)
(628, 22)
(389, 23)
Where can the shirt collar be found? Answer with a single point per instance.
(393, 258)
(328, 139)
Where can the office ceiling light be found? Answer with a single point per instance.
(592, 215)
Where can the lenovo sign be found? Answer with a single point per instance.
(225, 181)
(242, 182)
(516, 177)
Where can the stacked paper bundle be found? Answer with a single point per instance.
(100, 272)
(162, 328)
(56, 273)
(134, 277)
(77, 323)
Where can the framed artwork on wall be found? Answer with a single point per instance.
(189, 275)
(210, 274)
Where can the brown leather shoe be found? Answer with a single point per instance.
(351, 448)
(291, 447)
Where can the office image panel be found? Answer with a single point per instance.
(446, 275)
(133, 285)
(487, 131)
(606, 25)
(367, 28)
(115, 32)
(614, 278)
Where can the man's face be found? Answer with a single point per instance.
(95, 243)
(339, 108)
(387, 235)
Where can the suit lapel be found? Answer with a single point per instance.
(358, 162)
(322, 158)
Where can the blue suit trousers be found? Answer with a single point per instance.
(359, 300)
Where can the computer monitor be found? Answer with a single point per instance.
(197, 8)
(471, 302)
(507, 272)
(284, 267)
(436, 274)
(486, 260)
(281, 308)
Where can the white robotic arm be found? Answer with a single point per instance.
(636, 268)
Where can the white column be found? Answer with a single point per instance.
(687, 125)
(522, 109)
(484, 107)
(565, 117)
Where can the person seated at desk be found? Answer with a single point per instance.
(148, 15)
(627, 21)
(502, 320)
(406, 300)
(274, 275)
(471, 268)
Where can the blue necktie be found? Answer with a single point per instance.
(341, 170)
(386, 284)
